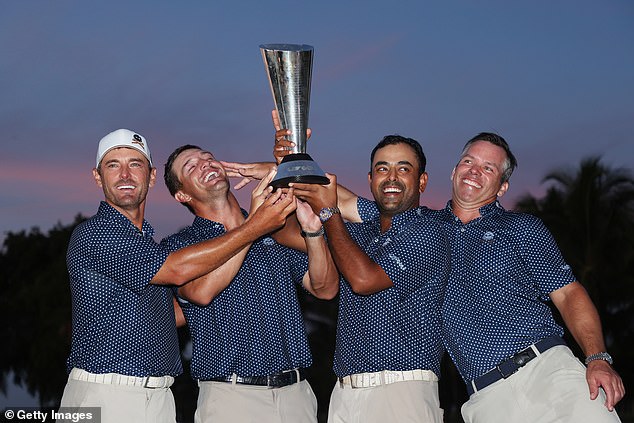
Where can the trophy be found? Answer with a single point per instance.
(289, 68)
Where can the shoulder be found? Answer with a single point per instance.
(180, 239)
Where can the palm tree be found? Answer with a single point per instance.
(590, 212)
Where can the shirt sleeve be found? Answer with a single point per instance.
(367, 209)
(416, 257)
(129, 260)
(543, 259)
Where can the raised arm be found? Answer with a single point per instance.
(194, 261)
(322, 277)
(582, 319)
(203, 290)
(363, 274)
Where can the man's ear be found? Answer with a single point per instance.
(503, 189)
(152, 177)
(422, 182)
(97, 176)
(181, 197)
(369, 177)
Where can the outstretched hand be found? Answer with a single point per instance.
(601, 375)
(247, 171)
(269, 209)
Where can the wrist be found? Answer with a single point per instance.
(604, 356)
(327, 212)
(318, 233)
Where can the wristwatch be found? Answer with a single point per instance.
(305, 234)
(599, 356)
(327, 212)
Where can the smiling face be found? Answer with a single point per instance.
(477, 178)
(201, 176)
(394, 179)
(125, 176)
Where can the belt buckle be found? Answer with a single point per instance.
(523, 357)
(505, 374)
(271, 381)
(276, 380)
(513, 364)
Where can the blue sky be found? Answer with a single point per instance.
(555, 78)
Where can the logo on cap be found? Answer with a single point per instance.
(138, 140)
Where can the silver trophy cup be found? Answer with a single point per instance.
(289, 68)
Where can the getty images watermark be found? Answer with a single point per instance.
(64, 414)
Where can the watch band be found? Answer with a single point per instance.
(599, 356)
(305, 234)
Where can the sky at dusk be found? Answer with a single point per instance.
(555, 78)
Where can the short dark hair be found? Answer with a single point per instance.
(509, 164)
(172, 182)
(397, 139)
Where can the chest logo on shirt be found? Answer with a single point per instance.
(488, 237)
(397, 261)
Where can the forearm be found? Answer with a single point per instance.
(582, 319)
(347, 203)
(289, 235)
(363, 274)
(322, 278)
(580, 316)
(203, 290)
(196, 260)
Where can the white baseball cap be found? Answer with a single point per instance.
(123, 138)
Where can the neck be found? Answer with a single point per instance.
(386, 222)
(226, 211)
(134, 215)
(465, 212)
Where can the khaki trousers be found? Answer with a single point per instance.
(551, 388)
(236, 403)
(122, 404)
(402, 402)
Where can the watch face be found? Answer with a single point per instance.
(324, 214)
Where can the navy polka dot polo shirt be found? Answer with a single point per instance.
(397, 328)
(254, 327)
(121, 323)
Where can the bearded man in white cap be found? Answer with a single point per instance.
(124, 354)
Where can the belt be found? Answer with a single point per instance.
(513, 364)
(277, 380)
(152, 382)
(386, 377)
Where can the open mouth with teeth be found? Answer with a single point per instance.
(210, 176)
(125, 187)
(471, 183)
(392, 190)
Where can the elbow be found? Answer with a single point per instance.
(327, 294)
(362, 291)
(361, 287)
(196, 297)
(368, 286)
(201, 303)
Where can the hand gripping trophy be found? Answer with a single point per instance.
(289, 68)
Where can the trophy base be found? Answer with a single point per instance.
(300, 168)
